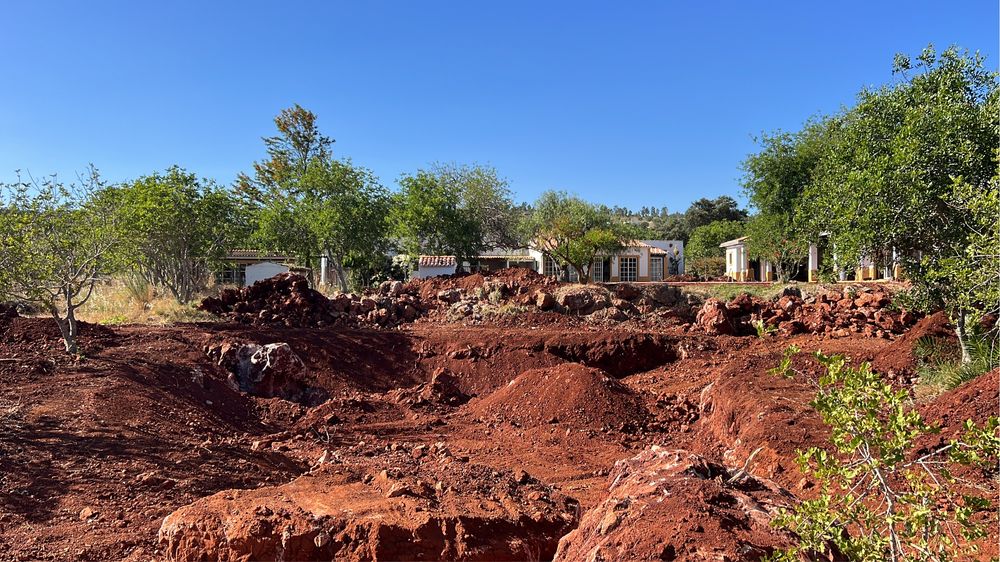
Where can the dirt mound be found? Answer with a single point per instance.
(406, 511)
(569, 394)
(975, 400)
(674, 505)
(618, 355)
(750, 417)
(863, 310)
(287, 299)
(898, 357)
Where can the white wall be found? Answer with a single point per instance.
(263, 270)
(425, 272)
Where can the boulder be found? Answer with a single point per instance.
(449, 296)
(714, 319)
(269, 370)
(576, 300)
(627, 291)
(545, 301)
(671, 504)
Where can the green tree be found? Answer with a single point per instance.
(705, 240)
(774, 180)
(892, 182)
(880, 496)
(702, 253)
(573, 232)
(178, 228)
(455, 210)
(311, 205)
(56, 242)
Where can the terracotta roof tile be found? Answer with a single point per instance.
(437, 261)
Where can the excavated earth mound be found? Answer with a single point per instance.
(569, 394)
(834, 313)
(668, 504)
(444, 509)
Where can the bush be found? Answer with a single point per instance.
(880, 498)
(707, 267)
(939, 362)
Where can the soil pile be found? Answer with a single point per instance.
(675, 505)
(567, 394)
(862, 310)
(405, 510)
(287, 299)
(898, 358)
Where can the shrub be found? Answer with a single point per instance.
(707, 267)
(880, 498)
(940, 366)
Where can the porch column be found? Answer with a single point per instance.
(322, 270)
(813, 263)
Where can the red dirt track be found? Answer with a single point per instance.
(513, 437)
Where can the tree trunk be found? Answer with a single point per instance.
(341, 275)
(68, 328)
(963, 337)
(581, 275)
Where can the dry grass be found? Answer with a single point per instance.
(130, 301)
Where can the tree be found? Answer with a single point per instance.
(705, 240)
(56, 243)
(311, 205)
(775, 179)
(573, 232)
(891, 183)
(178, 228)
(702, 252)
(706, 211)
(880, 496)
(455, 210)
(346, 211)
(964, 282)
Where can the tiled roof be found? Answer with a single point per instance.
(734, 242)
(437, 261)
(255, 254)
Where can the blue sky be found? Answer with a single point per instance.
(639, 103)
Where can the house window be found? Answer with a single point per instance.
(597, 271)
(629, 268)
(551, 268)
(232, 274)
(656, 268)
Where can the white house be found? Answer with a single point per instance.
(740, 268)
(639, 260)
(431, 266)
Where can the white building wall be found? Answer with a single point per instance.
(425, 272)
(263, 270)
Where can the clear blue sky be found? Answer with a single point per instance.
(623, 103)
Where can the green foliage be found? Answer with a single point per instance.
(887, 179)
(178, 228)
(880, 498)
(680, 226)
(455, 210)
(762, 329)
(706, 268)
(775, 180)
(940, 366)
(704, 241)
(310, 205)
(56, 242)
(573, 231)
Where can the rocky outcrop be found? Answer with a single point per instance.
(862, 310)
(268, 370)
(669, 504)
(457, 512)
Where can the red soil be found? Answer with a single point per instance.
(488, 441)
